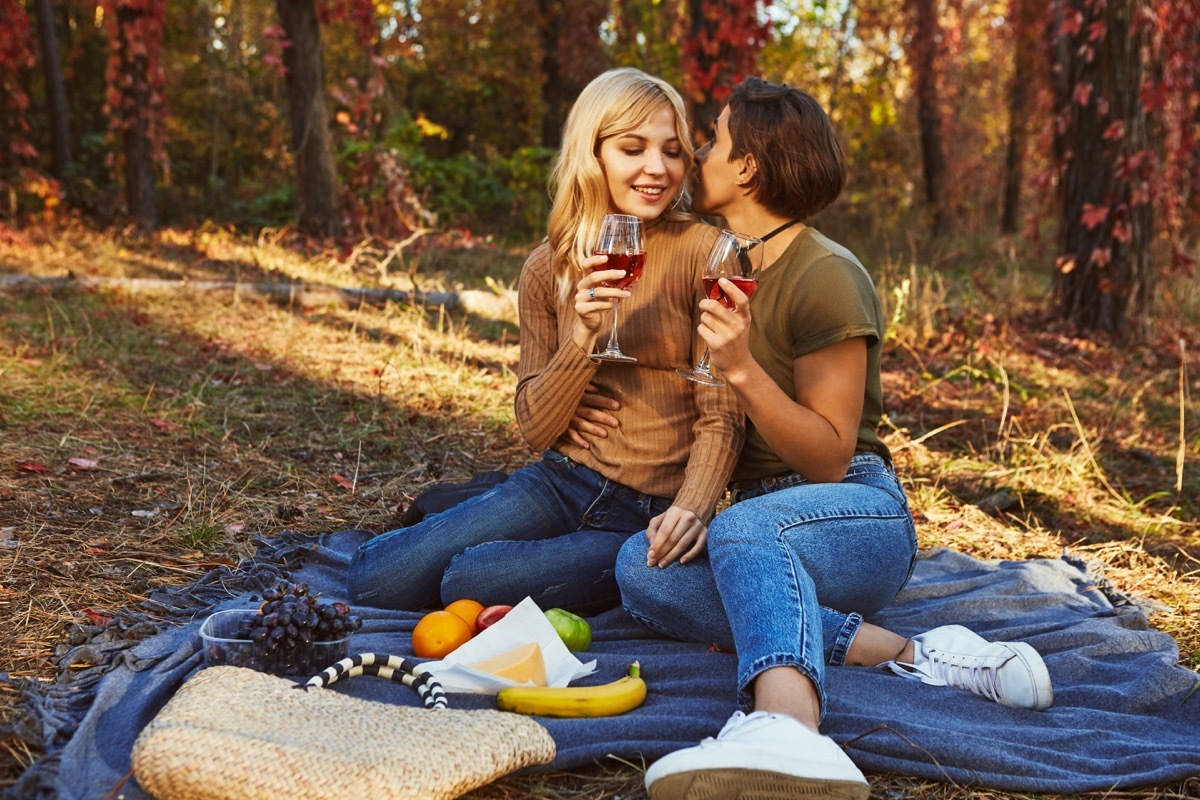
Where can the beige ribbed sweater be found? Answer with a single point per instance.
(677, 439)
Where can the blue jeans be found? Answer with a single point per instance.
(551, 532)
(791, 569)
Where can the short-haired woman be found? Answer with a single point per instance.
(819, 533)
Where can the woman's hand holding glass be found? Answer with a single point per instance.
(595, 298)
(726, 331)
(733, 263)
(621, 239)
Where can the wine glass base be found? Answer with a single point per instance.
(606, 356)
(700, 377)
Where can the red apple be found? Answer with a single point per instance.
(490, 616)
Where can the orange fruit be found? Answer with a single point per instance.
(468, 610)
(438, 633)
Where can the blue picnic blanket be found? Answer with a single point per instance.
(1125, 714)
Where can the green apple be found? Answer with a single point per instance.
(573, 629)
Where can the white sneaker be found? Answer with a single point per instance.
(762, 756)
(1011, 673)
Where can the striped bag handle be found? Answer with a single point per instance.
(394, 668)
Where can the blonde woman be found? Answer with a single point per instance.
(552, 530)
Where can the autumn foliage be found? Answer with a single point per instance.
(17, 154)
(446, 115)
(1124, 72)
(727, 36)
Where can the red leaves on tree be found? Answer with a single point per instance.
(1127, 91)
(359, 13)
(22, 149)
(1122, 232)
(16, 56)
(1102, 257)
(729, 35)
(1072, 22)
(135, 68)
(1093, 215)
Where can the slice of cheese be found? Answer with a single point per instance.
(523, 664)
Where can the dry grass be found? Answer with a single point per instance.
(148, 436)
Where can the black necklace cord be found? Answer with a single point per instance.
(780, 229)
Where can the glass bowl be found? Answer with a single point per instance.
(222, 649)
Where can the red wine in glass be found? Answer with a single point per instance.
(621, 240)
(712, 288)
(737, 258)
(631, 263)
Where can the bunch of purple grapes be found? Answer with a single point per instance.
(290, 631)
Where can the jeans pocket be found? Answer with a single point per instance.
(556, 461)
(655, 505)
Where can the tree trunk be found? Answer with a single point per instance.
(926, 36)
(705, 105)
(56, 92)
(140, 193)
(553, 99)
(1026, 38)
(572, 54)
(1105, 279)
(315, 170)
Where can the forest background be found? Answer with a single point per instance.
(1067, 122)
(1023, 187)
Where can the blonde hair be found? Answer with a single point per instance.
(614, 103)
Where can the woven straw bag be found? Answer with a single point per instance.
(235, 734)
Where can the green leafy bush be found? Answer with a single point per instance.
(499, 196)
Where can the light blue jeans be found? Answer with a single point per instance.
(791, 569)
(551, 532)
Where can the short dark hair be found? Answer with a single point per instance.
(801, 167)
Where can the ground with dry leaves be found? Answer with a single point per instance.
(150, 430)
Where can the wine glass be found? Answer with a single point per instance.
(736, 257)
(621, 240)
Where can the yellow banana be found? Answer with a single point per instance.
(624, 694)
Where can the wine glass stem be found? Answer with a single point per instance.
(612, 336)
(703, 365)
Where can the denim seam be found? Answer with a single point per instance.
(843, 514)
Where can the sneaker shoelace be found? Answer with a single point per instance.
(978, 674)
(735, 722)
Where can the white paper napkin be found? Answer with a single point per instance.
(524, 624)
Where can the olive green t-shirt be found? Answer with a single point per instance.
(815, 295)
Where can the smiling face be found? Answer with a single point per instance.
(716, 184)
(644, 167)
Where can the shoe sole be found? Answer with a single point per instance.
(752, 784)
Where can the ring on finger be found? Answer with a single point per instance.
(592, 292)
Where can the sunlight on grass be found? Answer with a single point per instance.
(180, 426)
